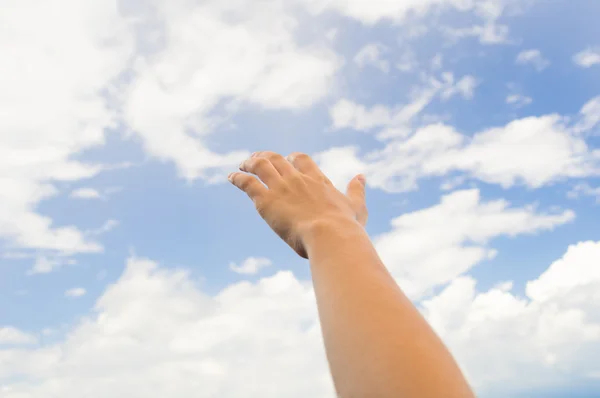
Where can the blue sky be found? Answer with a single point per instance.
(128, 265)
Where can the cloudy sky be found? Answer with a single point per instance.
(130, 267)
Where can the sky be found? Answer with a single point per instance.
(130, 267)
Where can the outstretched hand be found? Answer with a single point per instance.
(297, 197)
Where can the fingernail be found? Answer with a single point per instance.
(290, 158)
(230, 177)
(255, 154)
(241, 166)
(362, 179)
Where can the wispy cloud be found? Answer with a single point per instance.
(251, 266)
(534, 58)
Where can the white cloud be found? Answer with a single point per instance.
(433, 246)
(13, 336)
(154, 332)
(75, 292)
(168, 67)
(489, 32)
(437, 150)
(577, 271)
(584, 189)
(518, 100)
(86, 193)
(45, 264)
(164, 68)
(108, 226)
(372, 12)
(548, 338)
(251, 266)
(532, 57)
(341, 165)
(396, 121)
(56, 62)
(348, 114)
(587, 58)
(465, 87)
(371, 55)
(589, 116)
(224, 55)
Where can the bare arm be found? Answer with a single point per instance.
(377, 343)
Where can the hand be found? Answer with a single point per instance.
(298, 196)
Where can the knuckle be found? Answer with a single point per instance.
(301, 157)
(274, 156)
(294, 156)
(259, 163)
(295, 179)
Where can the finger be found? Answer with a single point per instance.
(263, 169)
(249, 184)
(357, 194)
(306, 165)
(279, 162)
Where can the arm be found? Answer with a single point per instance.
(377, 343)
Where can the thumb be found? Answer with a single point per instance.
(356, 194)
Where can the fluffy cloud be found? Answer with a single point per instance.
(187, 78)
(250, 266)
(167, 73)
(534, 58)
(170, 66)
(548, 338)
(217, 55)
(433, 246)
(154, 332)
(437, 150)
(587, 58)
(56, 63)
(13, 336)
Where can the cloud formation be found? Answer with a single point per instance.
(155, 332)
(438, 150)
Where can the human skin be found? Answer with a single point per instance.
(377, 343)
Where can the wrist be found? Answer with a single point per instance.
(328, 231)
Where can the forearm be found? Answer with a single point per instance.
(377, 343)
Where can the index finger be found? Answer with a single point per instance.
(248, 184)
